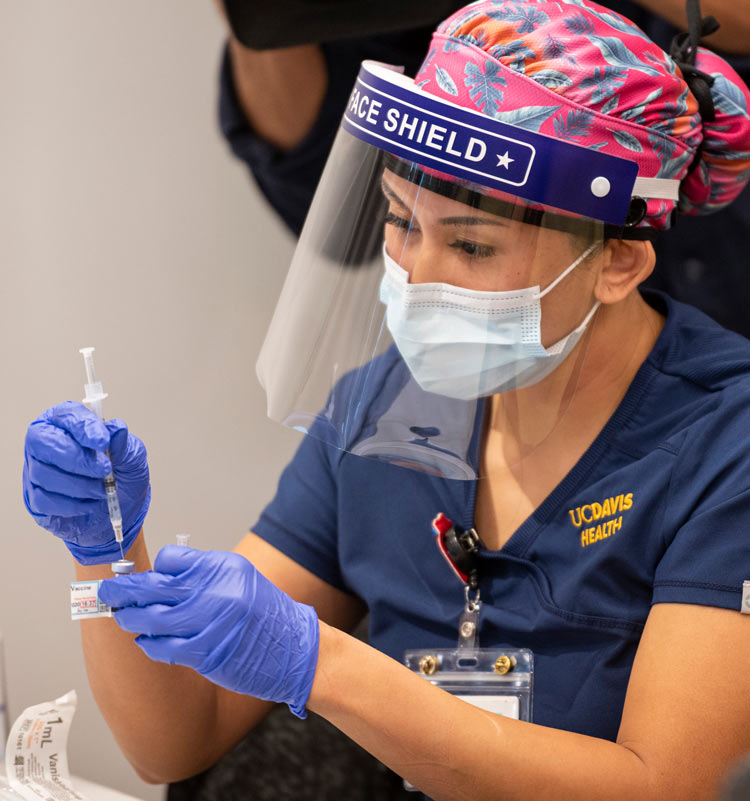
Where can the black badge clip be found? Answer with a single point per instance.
(460, 549)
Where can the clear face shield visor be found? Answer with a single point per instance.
(446, 259)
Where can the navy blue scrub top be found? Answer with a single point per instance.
(656, 511)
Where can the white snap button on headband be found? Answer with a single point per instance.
(600, 187)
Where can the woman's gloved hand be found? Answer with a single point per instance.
(214, 612)
(63, 480)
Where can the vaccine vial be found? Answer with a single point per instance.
(123, 567)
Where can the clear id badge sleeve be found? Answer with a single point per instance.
(499, 679)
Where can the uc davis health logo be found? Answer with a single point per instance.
(600, 520)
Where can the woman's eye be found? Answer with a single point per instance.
(399, 222)
(473, 249)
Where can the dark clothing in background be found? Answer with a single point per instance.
(702, 260)
(288, 178)
(299, 22)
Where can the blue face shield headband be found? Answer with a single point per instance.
(389, 112)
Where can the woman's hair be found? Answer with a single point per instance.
(579, 72)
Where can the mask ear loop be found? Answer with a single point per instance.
(587, 318)
(592, 311)
(567, 270)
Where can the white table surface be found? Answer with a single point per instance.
(98, 792)
(92, 790)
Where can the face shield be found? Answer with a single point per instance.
(447, 259)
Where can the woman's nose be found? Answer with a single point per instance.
(425, 265)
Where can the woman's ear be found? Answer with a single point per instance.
(626, 263)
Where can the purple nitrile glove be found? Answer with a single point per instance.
(212, 611)
(63, 480)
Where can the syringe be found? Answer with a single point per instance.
(95, 394)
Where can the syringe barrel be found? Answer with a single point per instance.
(95, 406)
(113, 501)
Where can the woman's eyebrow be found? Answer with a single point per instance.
(391, 195)
(471, 221)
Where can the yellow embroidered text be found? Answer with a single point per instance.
(591, 513)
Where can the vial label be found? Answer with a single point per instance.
(84, 601)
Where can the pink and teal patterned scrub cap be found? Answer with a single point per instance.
(579, 72)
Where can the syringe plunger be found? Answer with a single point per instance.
(95, 393)
(88, 361)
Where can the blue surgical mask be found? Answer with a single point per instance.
(467, 344)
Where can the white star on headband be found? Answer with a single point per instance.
(504, 160)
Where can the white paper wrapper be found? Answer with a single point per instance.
(36, 760)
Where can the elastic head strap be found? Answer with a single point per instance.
(684, 49)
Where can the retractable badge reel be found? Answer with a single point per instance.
(498, 679)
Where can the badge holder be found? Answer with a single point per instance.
(498, 679)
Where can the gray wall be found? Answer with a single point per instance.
(126, 225)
